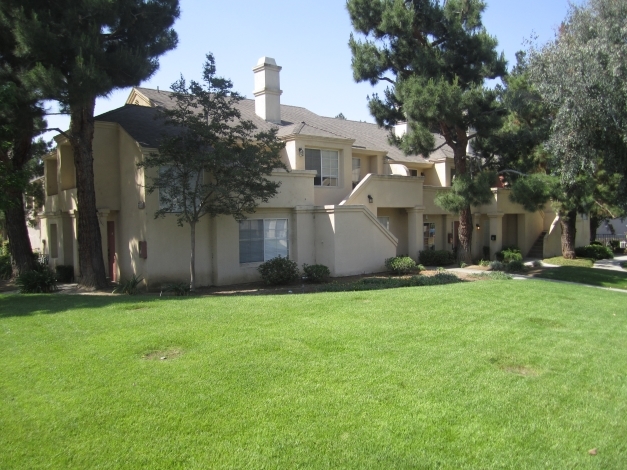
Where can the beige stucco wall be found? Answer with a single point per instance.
(398, 226)
(350, 240)
(387, 191)
(106, 163)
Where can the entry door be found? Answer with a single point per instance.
(111, 251)
(455, 234)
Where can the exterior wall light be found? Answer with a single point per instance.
(370, 199)
(478, 227)
(301, 152)
(141, 205)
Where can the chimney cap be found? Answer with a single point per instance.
(266, 60)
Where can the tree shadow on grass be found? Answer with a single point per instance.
(20, 305)
(590, 276)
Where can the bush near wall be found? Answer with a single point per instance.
(436, 257)
(400, 265)
(316, 272)
(278, 271)
(507, 254)
(594, 252)
(40, 281)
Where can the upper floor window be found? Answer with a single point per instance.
(326, 164)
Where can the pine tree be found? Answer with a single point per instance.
(21, 119)
(436, 55)
(210, 161)
(84, 49)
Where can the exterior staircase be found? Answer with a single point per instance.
(537, 250)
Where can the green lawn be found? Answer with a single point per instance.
(489, 374)
(561, 261)
(593, 277)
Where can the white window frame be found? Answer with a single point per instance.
(267, 254)
(329, 167)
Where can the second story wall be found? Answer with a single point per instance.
(107, 174)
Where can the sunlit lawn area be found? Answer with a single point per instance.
(593, 277)
(561, 261)
(490, 374)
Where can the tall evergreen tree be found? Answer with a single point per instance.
(21, 119)
(84, 49)
(436, 54)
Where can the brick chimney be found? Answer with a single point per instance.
(268, 90)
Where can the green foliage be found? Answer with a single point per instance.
(497, 266)
(39, 281)
(578, 262)
(533, 192)
(492, 276)
(508, 254)
(467, 190)
(436, 257)
(400, 265)
(179, 289)
(515, 266)
(65, 273)
(594, 252)
(211, 161)
(278, 271)
(580, 76)
(316, 272)
(375, 283)
(484, 262)
(128, 287)
(614, 245)
(6, 270)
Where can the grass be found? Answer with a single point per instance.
(578, 262)
(502, 374)
(593, 277)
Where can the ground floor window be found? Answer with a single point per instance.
(385, 221)
(356, 173)
(262, 239)
(429, 236)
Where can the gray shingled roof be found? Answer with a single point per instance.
(140, 123)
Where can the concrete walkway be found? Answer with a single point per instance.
(611, 264)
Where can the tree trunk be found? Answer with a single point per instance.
(595, 223)
(17, 231)
(569, 231)
(90, 260)
(192, 259)
(19, 241)
(464, 249)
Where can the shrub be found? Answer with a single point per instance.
(37, 282)
(484, 262)
(179, 289)
(6, 270)
(594, 252)
(537, 264)
(497, 266)
(65, 273)
(279, 271)
(128, 287)
(615, 245)
(514, 266)
(436, 257)
(462, 265)
(596, 243)
(316, 272)
(400, 265)
(508, 254)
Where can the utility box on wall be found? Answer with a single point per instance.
(493, 238)
(143, 250)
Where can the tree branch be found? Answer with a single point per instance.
(63, 133)
(605, 209)
(387, 80)
(512, 171)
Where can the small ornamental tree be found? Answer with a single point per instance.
(211, 162)
(82, 50)
(436, 55)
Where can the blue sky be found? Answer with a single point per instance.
(309, 40)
